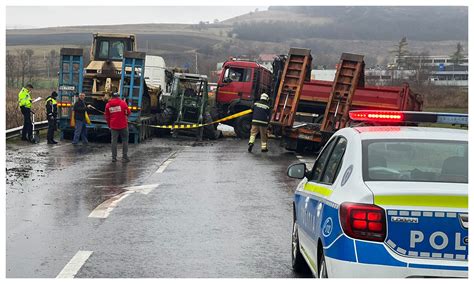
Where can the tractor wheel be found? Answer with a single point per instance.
(242, 126)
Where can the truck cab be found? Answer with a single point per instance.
(240, 84)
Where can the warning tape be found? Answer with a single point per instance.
(197, 125)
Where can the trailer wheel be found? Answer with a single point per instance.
(210, 131)
(242, 126)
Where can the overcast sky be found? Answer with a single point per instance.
(40, 17)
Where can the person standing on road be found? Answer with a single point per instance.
(80, 130)
(116, 115)
(52, 114)
(260, 119)
(24, 101)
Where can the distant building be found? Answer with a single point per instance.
(323, 75)
(439, 61)
(266, 59)
(449, 78)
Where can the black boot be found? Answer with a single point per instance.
(250, 147)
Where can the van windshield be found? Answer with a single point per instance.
(415, 160)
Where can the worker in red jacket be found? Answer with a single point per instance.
(116, 115)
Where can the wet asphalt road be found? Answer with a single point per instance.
(211, 210)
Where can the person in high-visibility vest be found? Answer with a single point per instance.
(52, 114)
(260, 119)
(24, 101)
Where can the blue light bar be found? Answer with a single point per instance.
(452, 118)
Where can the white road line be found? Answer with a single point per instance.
(73, 266)
(143, 189)
(103, 210)
(164, 165)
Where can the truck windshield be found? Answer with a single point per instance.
(415, 160)
(235, 74)
(112, 49)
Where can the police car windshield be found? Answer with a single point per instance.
(415, 160)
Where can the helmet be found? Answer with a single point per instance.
(264, 97)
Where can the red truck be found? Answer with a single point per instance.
(237, 92)
(240, 84)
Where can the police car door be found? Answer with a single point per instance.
(319, 189)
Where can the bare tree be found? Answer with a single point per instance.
(30, 64)
(22, 64)
(11, 67)
(52, 65)
(421, 65)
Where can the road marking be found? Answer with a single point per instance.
(103, 210)
(73, 266)
(143, 189)
(164, 165)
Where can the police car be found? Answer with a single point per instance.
(385, 201)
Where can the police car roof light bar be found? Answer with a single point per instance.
(409, 116)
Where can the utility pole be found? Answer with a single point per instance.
(196, 63)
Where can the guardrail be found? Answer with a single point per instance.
(14, 132)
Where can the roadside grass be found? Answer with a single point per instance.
(14, 118)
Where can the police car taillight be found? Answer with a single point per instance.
(363, 221)
(408, 117)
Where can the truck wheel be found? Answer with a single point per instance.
(297, 261)
(242, 126)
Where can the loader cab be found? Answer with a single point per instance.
(111, 47)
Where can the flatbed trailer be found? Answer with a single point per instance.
(314, 123)
(305, 132)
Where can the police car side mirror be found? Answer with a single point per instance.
(297, 171)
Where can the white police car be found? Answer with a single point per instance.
(385, 201)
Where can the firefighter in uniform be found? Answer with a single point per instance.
(52, 114)
(260, 119)
(24, 101)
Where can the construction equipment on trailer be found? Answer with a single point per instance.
(240, 84)
(295, 72)
(188, 104)
(69, 86)
(103, 73)
(113, 62)
(349, 76)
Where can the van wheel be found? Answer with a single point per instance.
(297, 261)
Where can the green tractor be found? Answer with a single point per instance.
(187, 104)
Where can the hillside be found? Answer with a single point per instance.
(327, 31)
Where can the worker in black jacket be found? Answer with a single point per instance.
(52, 114)
(260, 119)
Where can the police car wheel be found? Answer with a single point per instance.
(297, 261)
(322, 270)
